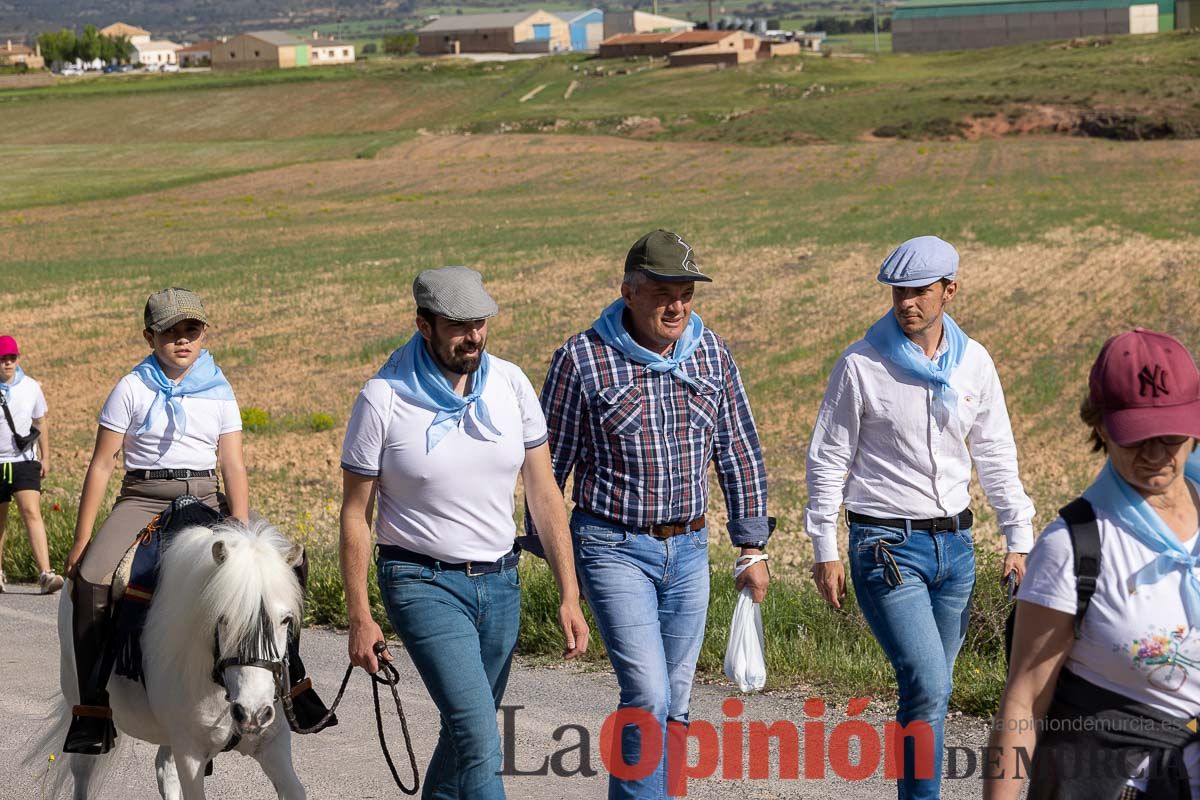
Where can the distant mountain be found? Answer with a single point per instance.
(21, 19)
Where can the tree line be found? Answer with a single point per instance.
(64, 45)
(836, 25)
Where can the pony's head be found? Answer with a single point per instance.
(227, 603)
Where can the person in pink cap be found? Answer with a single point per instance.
(1104, 684)
(24, 458)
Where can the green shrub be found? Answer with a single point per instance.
(400, 44)
(255, 420)
(321, 421)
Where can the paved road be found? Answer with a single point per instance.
(344, 762)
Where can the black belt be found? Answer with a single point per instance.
(964, 519)
(171, 474)
(472, 568)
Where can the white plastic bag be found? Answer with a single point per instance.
(745, 662)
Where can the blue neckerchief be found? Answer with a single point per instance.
(612, 330)
(1110, 493)
(887, 337)
(8, 387)
(412, 373)
(204, 379)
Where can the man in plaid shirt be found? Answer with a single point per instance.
(638, 405)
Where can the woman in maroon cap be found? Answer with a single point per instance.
(24, 458)
(1105, 673)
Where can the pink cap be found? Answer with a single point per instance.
(1147, 385)
(8, 347)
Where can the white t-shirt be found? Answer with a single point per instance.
(27, 403)
(454, 503)
(1138, 643)
(164, 446)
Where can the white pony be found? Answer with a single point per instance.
(227, 601)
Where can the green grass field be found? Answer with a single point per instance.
(1133, 87)
(858, 43)
(301, 204)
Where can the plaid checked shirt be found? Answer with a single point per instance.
(640, 441)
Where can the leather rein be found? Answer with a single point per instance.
(279, 668)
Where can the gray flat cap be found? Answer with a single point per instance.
(454, 293)
(166, 308)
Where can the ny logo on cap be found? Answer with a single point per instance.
(1153, 381)
(688, 262)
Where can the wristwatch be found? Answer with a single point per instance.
(759, 545)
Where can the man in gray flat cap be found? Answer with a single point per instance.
(909, 408)
(438, 437)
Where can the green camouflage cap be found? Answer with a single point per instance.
(169, 307)
(664, 256)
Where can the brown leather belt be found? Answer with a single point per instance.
(663, 531)
(669, 529)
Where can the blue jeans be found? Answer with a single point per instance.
(914, 588)
(650, 601)
(461, 632)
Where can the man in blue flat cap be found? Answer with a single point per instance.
(908, 408)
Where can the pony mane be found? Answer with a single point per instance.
(194, 592)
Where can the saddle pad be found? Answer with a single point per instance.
(121, 576)
(136, 579)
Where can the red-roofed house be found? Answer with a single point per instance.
(131, 32)
(690, 48)
(196, 55)
(327, 50)
(624, 45)
(12, 55)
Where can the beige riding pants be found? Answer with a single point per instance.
(136, 505)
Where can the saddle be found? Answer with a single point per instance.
(136, 580)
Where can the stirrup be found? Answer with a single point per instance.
(92, 732)
(309, 708)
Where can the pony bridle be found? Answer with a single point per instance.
(263, 653)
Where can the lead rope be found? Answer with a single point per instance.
(392, 680)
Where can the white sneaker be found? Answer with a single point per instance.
(49, 583)
(3, 588)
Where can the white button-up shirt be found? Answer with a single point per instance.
(883, 447)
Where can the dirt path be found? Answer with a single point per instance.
(345, 761)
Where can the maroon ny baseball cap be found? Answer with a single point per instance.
(1147, 385)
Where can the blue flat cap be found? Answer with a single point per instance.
(919, 262)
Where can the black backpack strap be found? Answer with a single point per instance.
(12, 426)
(1085, 541)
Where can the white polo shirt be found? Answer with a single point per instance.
(164, 446)
(878, 449)
(1136, 643)
(26, 403)
(454, 503)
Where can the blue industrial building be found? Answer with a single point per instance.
(587, 29)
